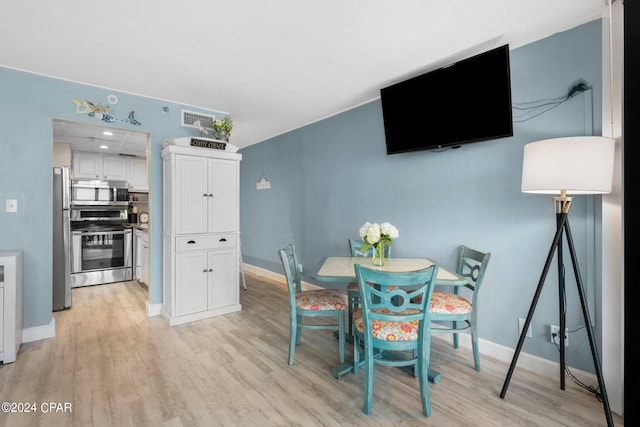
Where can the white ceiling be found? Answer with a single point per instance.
(91, 138)
(273, 65)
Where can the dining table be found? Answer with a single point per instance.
(340, 269)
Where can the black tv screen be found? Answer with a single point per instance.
(465, 102)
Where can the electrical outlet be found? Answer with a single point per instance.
(554, 335)
(521, 326)
(12, 205)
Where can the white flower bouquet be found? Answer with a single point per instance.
(377, 235)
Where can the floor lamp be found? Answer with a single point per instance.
(562, 167)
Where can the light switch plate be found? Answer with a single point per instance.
(12, 205)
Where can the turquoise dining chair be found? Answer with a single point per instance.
(392, 326)
(458, 309)
(353, 294)
(323, 303)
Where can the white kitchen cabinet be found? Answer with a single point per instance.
(100, 166)
(206, 195)
(115, 168)
(205, 276)
(200, 233)
(141, 255)
(10, 305)
(87, 165)
(137, 254)
(144, 263)
(138, 178)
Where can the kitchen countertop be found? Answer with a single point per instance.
(144, 227)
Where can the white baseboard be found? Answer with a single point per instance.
(539, 365)
(505, 354)
(39, 332)
(153, 309)
(268, 274)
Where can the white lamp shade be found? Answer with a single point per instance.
(578, 165)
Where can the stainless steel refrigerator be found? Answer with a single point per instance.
(61, 239)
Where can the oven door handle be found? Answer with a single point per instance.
(98, 233)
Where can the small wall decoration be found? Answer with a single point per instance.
(102, 112)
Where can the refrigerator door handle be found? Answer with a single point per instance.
(66, 236)
(66, 188)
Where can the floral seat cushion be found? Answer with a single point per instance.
(321, 299)
(448, 303)
(387, 330)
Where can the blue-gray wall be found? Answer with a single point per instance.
(28, 104)
(330, 177)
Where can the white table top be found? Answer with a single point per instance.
(335, 268)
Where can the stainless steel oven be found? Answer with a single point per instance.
(100, 253)
(99, 214)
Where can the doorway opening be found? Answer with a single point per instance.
(105, 154)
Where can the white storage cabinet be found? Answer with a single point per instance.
(200, 233)
(10, 305)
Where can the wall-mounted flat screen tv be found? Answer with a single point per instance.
(465, 102)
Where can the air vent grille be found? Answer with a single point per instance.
(190, 117)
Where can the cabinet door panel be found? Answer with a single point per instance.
(191, 196)
(144, 267)
(87, 166)
(223, 278)
(191, 282)
(114, 167)
(223, 185)
(138, 175)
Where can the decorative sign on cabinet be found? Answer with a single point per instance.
(200, 233)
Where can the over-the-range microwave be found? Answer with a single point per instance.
(85, 192)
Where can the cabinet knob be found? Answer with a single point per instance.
(210, 270)
(210, 195)
(204, 271)
(223, 240)
(191, 242)
(204, 195)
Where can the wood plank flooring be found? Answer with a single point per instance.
(116, 367)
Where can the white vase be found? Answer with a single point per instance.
(222, 136)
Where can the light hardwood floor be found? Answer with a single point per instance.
(117, 367)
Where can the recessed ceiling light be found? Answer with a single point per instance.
(108, 133)
(104, 147)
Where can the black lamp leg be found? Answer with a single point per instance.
(587, 320)
(561, 301)
(560, 225)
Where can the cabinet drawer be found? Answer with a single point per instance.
(217, 241)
